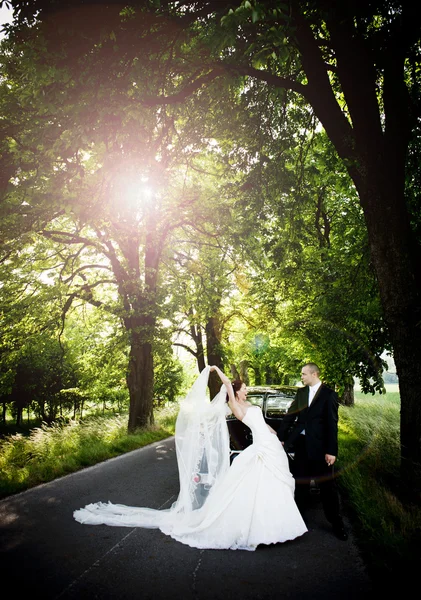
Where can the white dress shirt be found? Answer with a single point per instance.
(311, 393)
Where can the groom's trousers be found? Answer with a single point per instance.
(304, 470)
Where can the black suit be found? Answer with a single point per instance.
(320, 423)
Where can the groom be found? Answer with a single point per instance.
(314, 434)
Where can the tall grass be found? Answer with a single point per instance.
(387, 529)
(52, 451)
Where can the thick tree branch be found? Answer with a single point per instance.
(187, 90)
(320, 94)
(84, 268)
(186, 348)
(64, 237)
(356, 72)
(270, 78)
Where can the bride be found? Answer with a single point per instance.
(219, 506)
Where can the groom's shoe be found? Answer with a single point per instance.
(340, 531)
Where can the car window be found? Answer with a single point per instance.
(255, 399)
(277, 405)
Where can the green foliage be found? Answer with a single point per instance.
(313, 281)
(247, 191)
(105, 175)
(168, 376)
(40, 373)
(99, 350)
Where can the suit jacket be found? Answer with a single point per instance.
(320, 421)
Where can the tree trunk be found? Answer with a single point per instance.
(234, 372)
(257, 376)
(244, 375)
(196, 333)
(271, 376)
(396, 261)
(347, 398)
(140, 378)
(213, 350)
(19, 411)
(142, 324)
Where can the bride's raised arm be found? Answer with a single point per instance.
(224, 380)
(239, 410)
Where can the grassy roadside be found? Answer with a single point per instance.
(387, 530)
(51, 452)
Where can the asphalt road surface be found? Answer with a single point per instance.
(45, 553)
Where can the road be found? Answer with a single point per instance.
(45, 553)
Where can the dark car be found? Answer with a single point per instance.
(274, 402)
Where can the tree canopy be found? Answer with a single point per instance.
(300, 116)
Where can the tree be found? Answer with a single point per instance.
(105, 181)
(30, 326)
(321, 289)
(98, 347)
(201, 282)
(41, 371)
(356, 66)
(301, 235)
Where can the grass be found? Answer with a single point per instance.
(388, 531)
(49, 452)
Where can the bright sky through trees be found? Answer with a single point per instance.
(6, 16)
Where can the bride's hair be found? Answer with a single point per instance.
(236, 387)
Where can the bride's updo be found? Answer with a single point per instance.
(236, 387)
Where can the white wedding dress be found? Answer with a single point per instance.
(242, 505)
